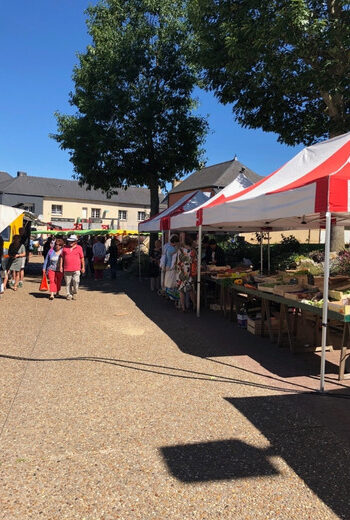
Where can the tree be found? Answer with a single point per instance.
(134, 123)
(284, 64)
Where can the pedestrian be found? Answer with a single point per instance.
(25, 241)
(52, 268)
(154, 270)
(48, 245)
(184, 260)
(170, 250)
(113, 257)
(71, 265)
(16, 253)
(214, 255)
(1, 268)
(89, 258)
(99, 252)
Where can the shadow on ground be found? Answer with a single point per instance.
(211, 336)
(296, 427)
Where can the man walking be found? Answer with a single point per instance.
(72, 263)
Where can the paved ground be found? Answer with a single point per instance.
(116, 406)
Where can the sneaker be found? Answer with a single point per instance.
(12, 283)
(20, 284)
(69, 297)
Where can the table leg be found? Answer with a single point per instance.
(265, 314)
(284, 320)
(344, 354)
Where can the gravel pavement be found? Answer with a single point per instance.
(117, 406)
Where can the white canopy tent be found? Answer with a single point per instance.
(310, 191)
(162, 221)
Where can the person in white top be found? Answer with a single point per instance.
(99, 252)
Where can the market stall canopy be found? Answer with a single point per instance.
(296, 196)
(8, 215)
(188, 219)
(163, 221)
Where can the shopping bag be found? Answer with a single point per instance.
(170, 279)
(44, 285)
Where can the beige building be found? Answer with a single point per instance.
(63, 203)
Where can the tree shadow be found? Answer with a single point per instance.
(308, 431)
(218, 460)
(311, 433)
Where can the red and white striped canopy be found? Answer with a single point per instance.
(188, 219)
(162, 221)
(297, 195)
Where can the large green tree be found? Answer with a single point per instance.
(283, 64)
(134, 123)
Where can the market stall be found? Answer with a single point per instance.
(309, 191)
(162, 221)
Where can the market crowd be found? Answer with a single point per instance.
(65, 258)
(173, 268)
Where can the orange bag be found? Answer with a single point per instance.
(44, 285)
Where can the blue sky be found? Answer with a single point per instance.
(39, 42)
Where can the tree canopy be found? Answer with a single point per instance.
(134, 123)
(284, 64)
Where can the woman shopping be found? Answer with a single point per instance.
(52, 268)
(16, 253)
(99, 252)
(185, 261)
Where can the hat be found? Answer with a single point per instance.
(72, 238)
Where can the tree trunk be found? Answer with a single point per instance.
(337, 238)
(154, 195)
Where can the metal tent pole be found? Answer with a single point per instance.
(261, 253)
(162, 273)
(268, 253)
(325, 297)
(199, 262)
(139, 255)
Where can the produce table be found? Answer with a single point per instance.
(229, 295)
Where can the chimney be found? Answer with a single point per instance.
(175, 183)
(21, 174)
(235, 157)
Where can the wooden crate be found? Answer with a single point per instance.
(282, 289)
(339, 307)
(254, 326)
(265, 289)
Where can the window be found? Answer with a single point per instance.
(84, 213)
(122, 214)
(56, 209)
(141, 215)
(95, 213)
(28, 206)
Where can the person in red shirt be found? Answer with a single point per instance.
(72, 264)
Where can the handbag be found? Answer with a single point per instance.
(43, 284)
